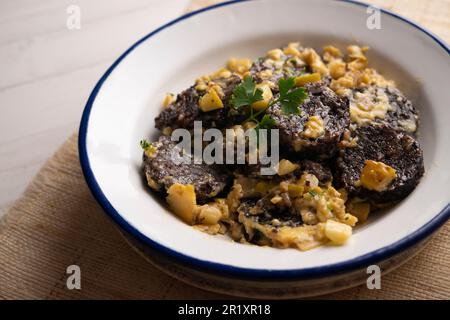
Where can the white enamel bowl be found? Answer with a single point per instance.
(121, 109)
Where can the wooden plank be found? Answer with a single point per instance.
(100, 40)
(48, 72)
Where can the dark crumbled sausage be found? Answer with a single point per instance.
(322, 102)
(268, 221)
(268, 212)
(185, 110)
(162, 168)
(287, 66)
(404, 115)
(321, 171)
(382, 144)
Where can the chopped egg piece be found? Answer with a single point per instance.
(286, 167)
(221, 73)
(209, 215)
(182, 201)
(168, 99)
(275, 54)
(267, 96)
(210, 101)
(337, 232)
(240, 66)
(377, 175)
(292, 49)
(307, 78)
(314, 127)
(311, 57)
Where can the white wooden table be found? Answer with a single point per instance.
(47, 72)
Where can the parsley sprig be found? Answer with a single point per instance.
(246, 93)
(148, 148)
(145, 144)
(290, 97)
(312, 193)
(266, 123)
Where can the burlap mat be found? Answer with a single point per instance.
(57, 223)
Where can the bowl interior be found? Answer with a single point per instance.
(126, 104)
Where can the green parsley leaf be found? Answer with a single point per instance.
(285, 85)
(312, 193)
(145, 144)
(246, 93)
(266, 123)
(290, 97)
(293, 61)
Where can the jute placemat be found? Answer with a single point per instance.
(57, 223)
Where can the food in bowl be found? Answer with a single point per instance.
(345, 135)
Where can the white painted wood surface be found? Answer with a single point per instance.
(48, 71)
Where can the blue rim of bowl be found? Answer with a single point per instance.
(327, 270)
